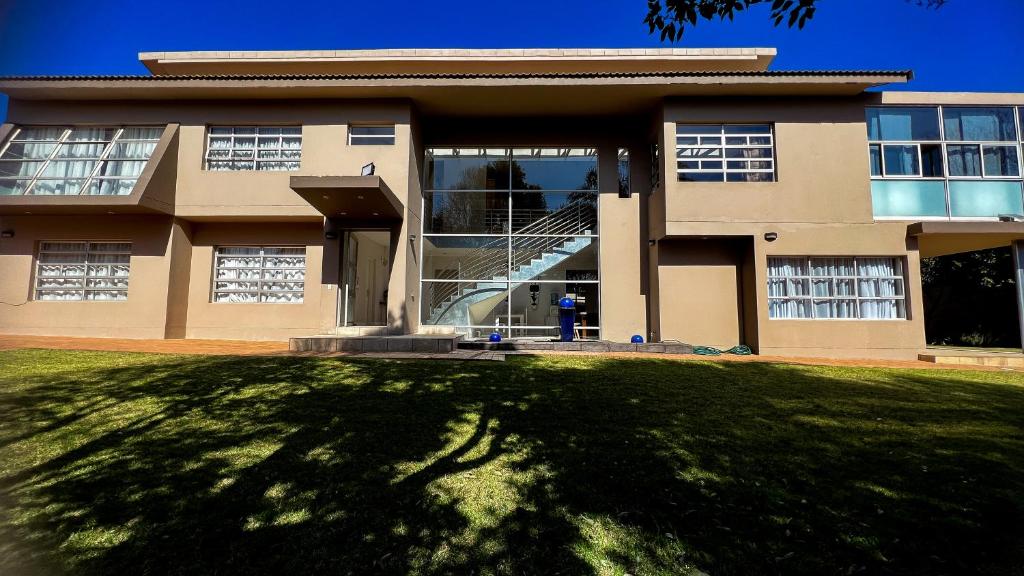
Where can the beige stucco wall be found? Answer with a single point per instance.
(142, 315)
(700, 281)
(258, 321)
(821, 163)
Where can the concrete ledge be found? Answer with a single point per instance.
(980, 358)
(578, 346)
(434, 344)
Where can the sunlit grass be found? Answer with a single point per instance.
(132, 463)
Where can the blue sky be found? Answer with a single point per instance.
(969, 45)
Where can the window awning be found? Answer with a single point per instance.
(939, 238)
(363, 198)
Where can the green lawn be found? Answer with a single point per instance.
(131, 463)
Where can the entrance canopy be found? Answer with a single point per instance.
(943, 238)
(357, 198)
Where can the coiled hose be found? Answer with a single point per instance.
(741, 350)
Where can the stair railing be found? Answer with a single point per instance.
(491, 259)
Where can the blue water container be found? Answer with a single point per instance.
(566, 318)
(637, 339)
(494, 337)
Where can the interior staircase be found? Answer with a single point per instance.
(536, 248)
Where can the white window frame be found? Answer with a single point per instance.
(856, 298)
(255, 163)
(371, 139)
(259, 292)
(100, 160)
(722, 146)
(86, 263)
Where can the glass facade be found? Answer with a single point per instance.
(507, 232)
(945, 161)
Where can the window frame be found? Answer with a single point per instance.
(856, 298)
(86, 263)
(259, 292)
(100, 161)
(946, 178)
(372, 139)
(255, 161)
(723, 158)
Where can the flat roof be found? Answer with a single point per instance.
(459, 60)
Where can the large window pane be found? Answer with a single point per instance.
(867, 288)
(263, 148)
(467, 169)
(964, 159)
(908, 198)
(554, 169)
(903, 124)
(465, 304)
(984, 199)
(269, 274)
(65, 159)
(1000, 161)
(83, 271)
(460, 212)
(532, 314)
(465, 257)
(549, 257)
(901, 160)
(979, 124)
(554, 213)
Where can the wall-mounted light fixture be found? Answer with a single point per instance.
(368, 169)
(330, 230)
(652, 242)
(7, 234)
(412, 237)
(771, 236)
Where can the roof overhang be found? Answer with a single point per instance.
(353, 198)
(455, 61)
(463, 94)
(941, 238)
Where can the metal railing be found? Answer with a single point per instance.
(530, 242)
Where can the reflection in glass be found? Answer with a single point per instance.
(465, 257)
(554, 169)
(554, 213)
(898, 124)
(467, 169)
(964, 159)
(1001, 161)
(979, 124)
(460, 212)
(901, 160)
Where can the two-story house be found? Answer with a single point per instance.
(687, 195)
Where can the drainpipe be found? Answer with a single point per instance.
(1018, 276)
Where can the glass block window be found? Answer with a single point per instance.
(259, 274)
(81, 160)
(263, 148)
(836, 288)
(371, 135)
(83, 270)
(725, 153)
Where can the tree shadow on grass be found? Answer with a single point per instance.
(573, 466)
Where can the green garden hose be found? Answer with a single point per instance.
(740, 350)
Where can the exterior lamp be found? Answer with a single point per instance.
(7, 234)
(368, 170)
(771, 236)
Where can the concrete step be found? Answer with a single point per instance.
(576, 346)
(434, 343)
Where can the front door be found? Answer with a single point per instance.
(362, 294)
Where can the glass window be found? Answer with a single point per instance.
(964, 159)
(979, 124)
(371, 135)
(465, 212)
(908, 198)
(78, 160)
(504, 231)
(875, 152)
(725, 153)
(903, 124)
(984, 199)
(72, 270)
(1000, 161)
(901, 160)
(262, 148)
(467, 169)
(623, 168)
(554, 169)
(865, 288)
(259, 274)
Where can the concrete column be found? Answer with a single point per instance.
(1018, 276)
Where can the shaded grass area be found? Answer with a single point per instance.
(134, 463)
